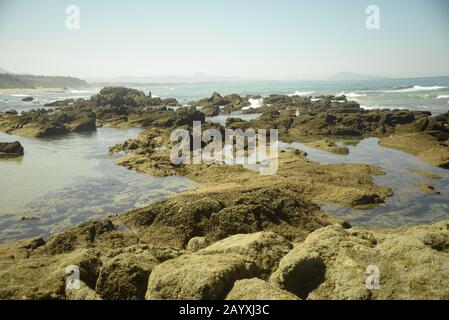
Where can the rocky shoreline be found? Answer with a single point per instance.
(238, 235)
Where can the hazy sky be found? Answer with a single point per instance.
(276, 39)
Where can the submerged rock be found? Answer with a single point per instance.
(432, 147)
(328, 146)
(424, 173)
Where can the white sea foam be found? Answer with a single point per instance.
(416, 89)
(301, 93)
(381, 107)
(19, 95)
(352, 94)
(443, 96)
(254, 104)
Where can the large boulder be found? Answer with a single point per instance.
(257, 289)
(198, 277)
(265, 249)
(125, 277)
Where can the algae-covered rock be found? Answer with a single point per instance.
(257, 289)
(82, 236)
(328, 146)
(125, 277)
(265, 249)
(197, 243)
(11, 149)
(82, 293)
(20, 249)
(410, 263)
(197, 277)
(44, 277)
(432, 147)
(299, 273)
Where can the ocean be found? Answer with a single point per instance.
(414, 93)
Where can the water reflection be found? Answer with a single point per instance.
(409, 205)
(63, 181)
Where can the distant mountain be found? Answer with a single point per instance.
(342, 76)
(22, 81)
(3, 70)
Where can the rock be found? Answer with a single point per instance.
(265, 249)
(328, 146)
(197, 277)
(83, 293)
(44, 123)
(257, 289)
(44, 277)
(11, 148)
(28, 99)
(197, 243)
(211, 111)
(21, 249)
(216, 216)
(299, 273)
(125, 277)
(84, 236)
(413, 263)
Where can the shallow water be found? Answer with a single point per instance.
(221, 119)
(408, 206)
(67, 180)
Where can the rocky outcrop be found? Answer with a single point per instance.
(338, 263)
(333, 262)
(212, 106)
(44, 123)
(432, 147)
(14, 149)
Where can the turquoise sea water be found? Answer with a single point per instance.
(63, 181)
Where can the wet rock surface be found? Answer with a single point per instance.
(14, 149)
(43, 123)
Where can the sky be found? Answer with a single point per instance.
(251, 39)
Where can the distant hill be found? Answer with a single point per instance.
(21, 81)
(353, 76)
(3, 70)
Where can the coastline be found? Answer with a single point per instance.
(238, 224)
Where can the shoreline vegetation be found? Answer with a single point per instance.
(238, 235)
